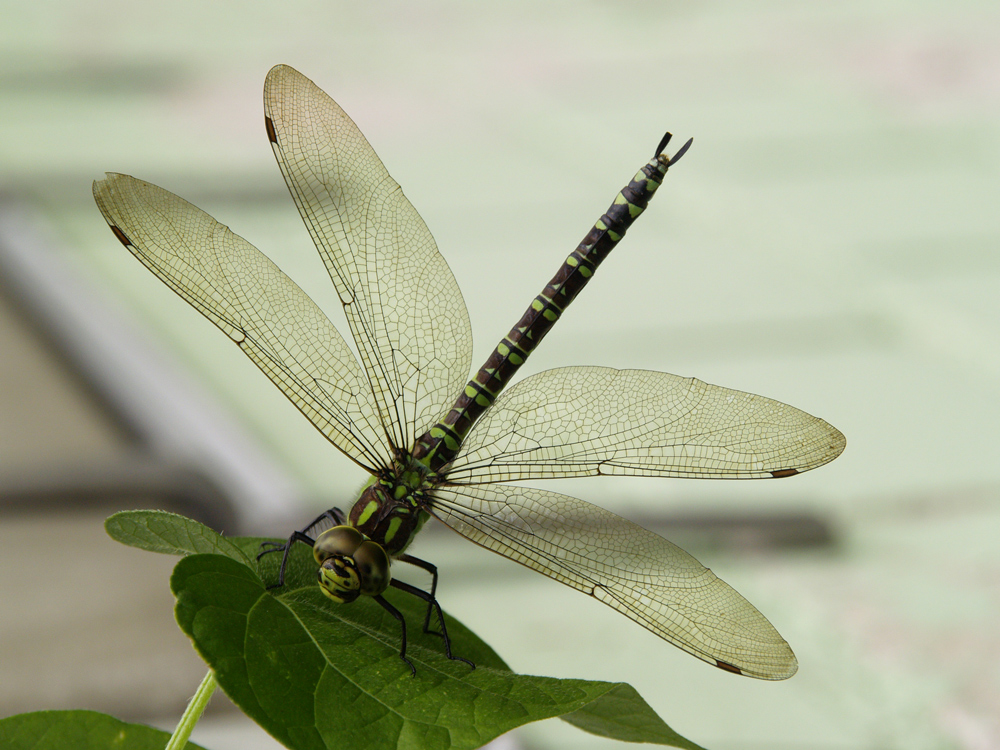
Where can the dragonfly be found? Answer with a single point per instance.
(437, 444)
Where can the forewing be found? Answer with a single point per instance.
(235, 286)
(617, 562)
(403, 305)
(587, 421)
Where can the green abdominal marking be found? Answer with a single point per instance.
(443, 441)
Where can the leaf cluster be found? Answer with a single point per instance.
(317, 675)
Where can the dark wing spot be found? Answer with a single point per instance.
(120, 235)
(271, 135)
(728, 667)
(784, 473)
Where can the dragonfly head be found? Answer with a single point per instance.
(350, 565)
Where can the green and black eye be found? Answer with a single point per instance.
(350, 565)
(339, 580)
(373, 568)
(340, 540)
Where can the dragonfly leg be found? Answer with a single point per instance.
(432, 569)
(431, 602)
(334, 515)
(297, 536)
(402, 627)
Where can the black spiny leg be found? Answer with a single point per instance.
(334, 515)
(431, 602)
(432, 569)
(402, 626)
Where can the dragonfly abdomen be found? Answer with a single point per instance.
(442, 442)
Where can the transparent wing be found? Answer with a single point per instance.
(403, 305)
(617, 562)
(273, 321)
(588, 421)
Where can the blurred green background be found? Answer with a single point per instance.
(831, 241)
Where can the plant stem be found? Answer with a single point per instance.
(193, 712)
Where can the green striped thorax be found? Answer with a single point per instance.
(355, 559)
(390, 511)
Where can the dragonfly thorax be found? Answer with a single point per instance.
(390, 512)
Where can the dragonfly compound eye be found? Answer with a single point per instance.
(350, 565)
(340, 540)
(339, 579)
(373, 568)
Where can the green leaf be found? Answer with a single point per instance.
(315, 674)
(622, 714)
(79, 730)
(169, 534)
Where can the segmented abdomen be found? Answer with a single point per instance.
(441, 443)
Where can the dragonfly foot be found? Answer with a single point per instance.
(265, 549)
(459, 658)
(413, 669)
